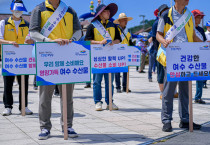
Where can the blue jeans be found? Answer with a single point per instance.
(117, 80)
(152, 59)
(97, 93)
(154, 65)
(199, 89)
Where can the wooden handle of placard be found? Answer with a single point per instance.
(127, 84)
(190, 107)
(64, 97)
(23, 112)
(110, 91)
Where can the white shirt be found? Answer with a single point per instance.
(2, 27)
(207, 33)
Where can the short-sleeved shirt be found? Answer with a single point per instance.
(207, 35)
(154, 28)
(90, 33)
(182, 36)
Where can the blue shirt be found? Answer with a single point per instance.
(154, 48)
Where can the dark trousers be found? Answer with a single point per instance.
(8, 85)
(56, 89)
(34, 83)
(117, 80)
(152, 59)
(167, 100)
(160, 73)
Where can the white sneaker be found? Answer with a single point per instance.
(15, 84)
(28, 112)
(114, 107)
(7, 112)
(98, 106)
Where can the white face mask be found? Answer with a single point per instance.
(17, 14)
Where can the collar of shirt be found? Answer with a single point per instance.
(122, 28)
(176, 12)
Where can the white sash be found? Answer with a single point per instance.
(123, 34)
(102, 31)
(199, 35)
(175, 29)
(53, 21)
(179, 25)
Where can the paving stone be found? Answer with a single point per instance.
(137, 121)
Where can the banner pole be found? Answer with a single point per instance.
(23, 112)
(127, 83)
(110, 92)
(64, 97)
(190, 107)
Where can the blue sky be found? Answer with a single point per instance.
(132, 8)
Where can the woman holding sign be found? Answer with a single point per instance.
(102, 31)
(14, 31)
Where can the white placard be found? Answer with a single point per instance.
(18, 60)
(63, 64)
(109, 59)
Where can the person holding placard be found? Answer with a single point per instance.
(64, 27)
(200, 32)
(177, 25)
(14, 30)
(126, 39)
(102, 31)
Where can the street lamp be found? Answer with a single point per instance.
(143, 19)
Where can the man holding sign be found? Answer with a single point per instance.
(14, 31)
(177, 25)
(126, 39)
(54, 21)
(103, 32)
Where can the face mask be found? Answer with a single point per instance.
(17, 14)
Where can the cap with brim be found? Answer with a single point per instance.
(208, 24)
(18, 5)
(198, 13)
(156, 12)
(112, 7)
(161, 8)
(122, 16)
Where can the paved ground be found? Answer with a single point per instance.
(137, 121)
(196, 138)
